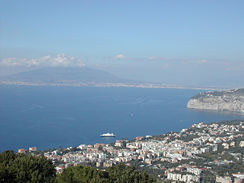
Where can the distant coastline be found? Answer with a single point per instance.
(226, 100)
(93, 84)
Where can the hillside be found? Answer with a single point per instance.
(65, 74)
(18, 167)
(229, 100)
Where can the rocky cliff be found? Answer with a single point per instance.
(230, 100)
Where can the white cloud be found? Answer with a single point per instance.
(152, 58)
(203, 61)
(120, 56)
(57, 61)
(195, 62)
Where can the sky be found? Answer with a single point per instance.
(185, 42)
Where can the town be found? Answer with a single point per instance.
(202, 153)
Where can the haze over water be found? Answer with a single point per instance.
(49, 117)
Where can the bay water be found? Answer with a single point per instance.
(54, 116)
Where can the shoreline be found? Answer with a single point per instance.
(134, 139)
(90, 84)
(191, 152)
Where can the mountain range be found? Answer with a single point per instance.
(65, 74)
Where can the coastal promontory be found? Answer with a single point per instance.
(228, 100)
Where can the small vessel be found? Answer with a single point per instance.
(107, 135)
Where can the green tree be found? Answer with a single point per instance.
(6, 159)
(25, 168)
(82, 174)
(117, 174)
(125, 174)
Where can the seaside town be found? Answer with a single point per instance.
(202, 153)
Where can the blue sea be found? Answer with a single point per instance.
(52, 117)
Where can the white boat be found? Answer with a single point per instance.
(107, 135)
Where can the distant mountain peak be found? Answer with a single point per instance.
(65, 74)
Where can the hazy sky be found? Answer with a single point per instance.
(170, 41)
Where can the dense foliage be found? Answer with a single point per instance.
(79, 174)
(117, 174)
(25, 168)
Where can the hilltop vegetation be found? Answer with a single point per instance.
(25, 168)
(117, 174)
(29, 168)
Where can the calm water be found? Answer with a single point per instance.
(49, 117)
